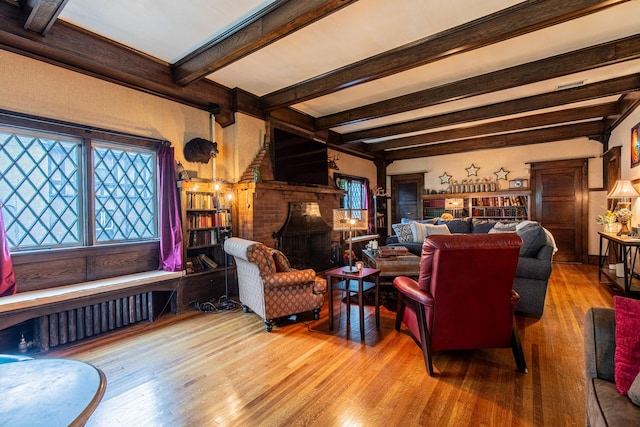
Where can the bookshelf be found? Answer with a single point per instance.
(206, 216)
(507, 205)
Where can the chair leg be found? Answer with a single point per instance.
(268, 325)
(400, 310)
(316, 314)
(425, 339)
(516, 347)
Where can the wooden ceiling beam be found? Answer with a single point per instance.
(41, 14)
(520, 19)
(627, 104)
(609, 53)
(73, 48)
(559, 133)
(587, 92)
(501, 126)
(272, 23)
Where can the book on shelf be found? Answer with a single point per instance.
(207, 262)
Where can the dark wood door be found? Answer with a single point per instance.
(560, 203)
(405, 196)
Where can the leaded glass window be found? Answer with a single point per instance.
(52, 199)
(40, 182)
(124, 188)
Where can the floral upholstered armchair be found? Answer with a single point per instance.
(268, 285)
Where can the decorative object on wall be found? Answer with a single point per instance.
(472, 170)
(332, 162)
(635, 146)
(624, 191)
(444, 178)
(200, 150)
(501, 174)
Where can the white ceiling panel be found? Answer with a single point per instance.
(165, 29)
(356, 32)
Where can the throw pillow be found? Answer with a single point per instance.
(626, 360)
(419, 231)
(533, 239)
(437, 229)
(503, 227)
(403, 231)
(634, 391)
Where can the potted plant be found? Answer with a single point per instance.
(608, 221)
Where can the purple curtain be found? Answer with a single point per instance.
(170, 230)
(7, 278)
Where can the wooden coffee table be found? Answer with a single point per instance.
(393, 266)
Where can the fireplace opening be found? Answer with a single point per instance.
(305, 237)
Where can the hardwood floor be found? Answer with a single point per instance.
(205, 369)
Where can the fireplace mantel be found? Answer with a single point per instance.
(283, 186)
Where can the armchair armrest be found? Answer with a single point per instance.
(409, 288)
(289, 278)
(600, 343)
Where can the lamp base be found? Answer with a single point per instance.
(624, 230)
(349, 269)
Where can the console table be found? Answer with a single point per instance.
(626, 250)
(358, 283)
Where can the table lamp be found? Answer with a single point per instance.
(349, 220)
(624, 191)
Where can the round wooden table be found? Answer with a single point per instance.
(52, 392)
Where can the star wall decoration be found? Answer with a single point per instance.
(502, 174)
(472, 170)
(444, 178)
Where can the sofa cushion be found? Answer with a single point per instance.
(457, 225)
(607, 407)
(504, 227)
(627, 356)
(533, 239)
(634, 391)
(482, 225)
(419, 231)
(432, 230)
(403, 231)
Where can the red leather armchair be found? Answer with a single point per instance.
(463, 298)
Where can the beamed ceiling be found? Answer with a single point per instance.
(384, 80)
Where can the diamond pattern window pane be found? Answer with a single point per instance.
(125, 205)
(40, 179)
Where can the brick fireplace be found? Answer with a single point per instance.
(261, 208)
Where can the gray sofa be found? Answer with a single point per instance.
(605, 406)
(534, 265)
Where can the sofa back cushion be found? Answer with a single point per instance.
(457, 225)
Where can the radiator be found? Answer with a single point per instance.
(72, 325)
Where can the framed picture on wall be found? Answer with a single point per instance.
(635, 146)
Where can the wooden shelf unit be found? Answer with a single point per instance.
(206, 223)
(504, 204)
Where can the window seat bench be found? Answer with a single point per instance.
(71, 312)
